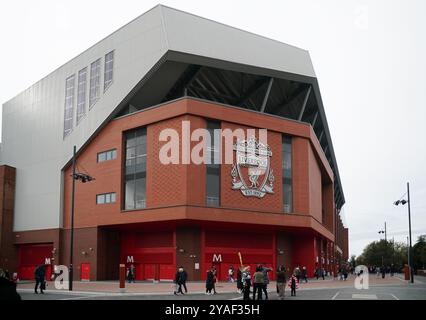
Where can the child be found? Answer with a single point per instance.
(293, 284)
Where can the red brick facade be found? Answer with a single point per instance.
(107, 235)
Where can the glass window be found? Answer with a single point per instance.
(105, 198)
(107, 155)
(213, 166)
(69, 105)
(135, 169)
(81, 94)
(100, 199)
(287, 180)
(108, 70)
(95, 82)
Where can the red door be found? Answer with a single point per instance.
(149, 271)
(167, 272)
(85, 272)
(139, 270)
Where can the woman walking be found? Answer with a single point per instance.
(258, 283)
(209, 282)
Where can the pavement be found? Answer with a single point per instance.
(390, 288)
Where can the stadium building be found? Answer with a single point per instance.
(162, 71)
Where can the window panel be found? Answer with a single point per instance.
(108, 70)
(105, 198)
(213, 166)
(95, 78)
(100, 199)
(81, 94)
(135, 168)
(69, 105)
(287, 180)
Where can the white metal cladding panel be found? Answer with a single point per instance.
(33, 121)
(196, 35)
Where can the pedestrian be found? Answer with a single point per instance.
(231, 274)
(265, 271)
(304, 274)
(39, 276)
(131, 273)
(323, 273)
(383, 272)
(209, 282)
(293, 284)
(258, 283)
(184, 278)
(7, 288)
(214, 271)
(297, 273)
(345, 274)
(377, 272)
(240, 284)
(317, 273)
(246, 280)
(179, 281)
(281, 280)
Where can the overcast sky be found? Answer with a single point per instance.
(369, 57)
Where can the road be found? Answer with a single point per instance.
(388, 292)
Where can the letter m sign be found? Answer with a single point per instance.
(217, 257)
(130, 259)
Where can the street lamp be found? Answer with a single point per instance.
(84, 178)
(384, 232)
(410, 255)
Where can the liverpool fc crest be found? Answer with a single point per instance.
(252, 173)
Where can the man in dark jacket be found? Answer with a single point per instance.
(184, 278)
(178, 281)
(39, 275)
(281, 279)
(265, 271)
(8, 289)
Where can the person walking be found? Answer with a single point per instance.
(7, 288)
(304, 274)
(293, 284)
(281, 282)
(297, 273)
(265, 271)
(323, 273)
(317, 273)
(39, 276)
(383, 272)
(184, 278)
(258, 283)
(214, 271)
(131, 273)
(246, 280)
(231, 274)
(345, 274)
(209, 282)
(240, 283)
(178, 282)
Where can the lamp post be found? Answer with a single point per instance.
(410, 253)
(84, 178)
(384, 232)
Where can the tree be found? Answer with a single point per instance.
(352, 261)
(419, 253)
(384, 253)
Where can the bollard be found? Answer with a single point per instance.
(122, 274)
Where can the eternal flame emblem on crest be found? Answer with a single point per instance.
(252, 173)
